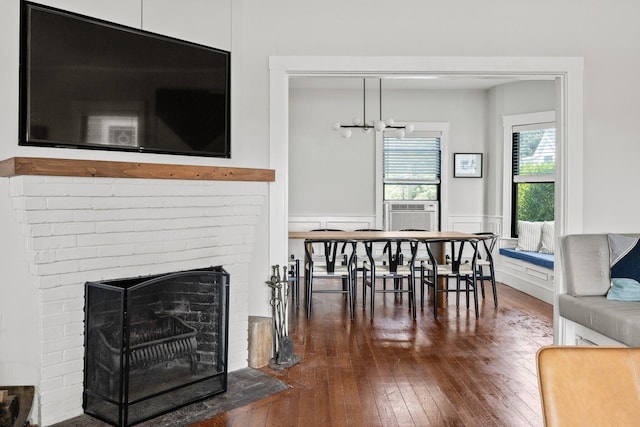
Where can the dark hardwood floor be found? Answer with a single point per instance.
(392, 371)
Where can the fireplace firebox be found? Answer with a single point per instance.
(154, 344)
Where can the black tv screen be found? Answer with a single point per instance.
(87, 83)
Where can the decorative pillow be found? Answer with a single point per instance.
(546, 242)
(529, 235)
(624, 256)
(624, 290)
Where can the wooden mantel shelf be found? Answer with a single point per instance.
(17, 166)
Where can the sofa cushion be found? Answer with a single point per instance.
(618, 320)
(585, 260)
(624, 256)
(623, 289)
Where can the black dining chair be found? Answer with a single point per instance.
(319, 255)
(422, 254)
(318, 250)
(459, 266)
(484, 265)
(397, 267)
(362, 255)
(331, 266)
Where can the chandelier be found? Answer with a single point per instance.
(378, 125)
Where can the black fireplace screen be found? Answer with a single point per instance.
(154, 344)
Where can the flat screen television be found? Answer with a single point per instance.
(88, 83)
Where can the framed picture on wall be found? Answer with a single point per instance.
(467, 165)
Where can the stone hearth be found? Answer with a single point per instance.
(246, 386)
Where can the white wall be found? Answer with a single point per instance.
(514, 98)
(604, 34)
(333, 176)
(209, 22)
(328, 175)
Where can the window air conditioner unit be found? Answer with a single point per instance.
(411, 215)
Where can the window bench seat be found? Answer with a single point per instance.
(529, 272)
(543, 260)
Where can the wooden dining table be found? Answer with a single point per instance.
(422, 236)
(374, 235)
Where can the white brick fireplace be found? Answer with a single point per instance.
(78, 229)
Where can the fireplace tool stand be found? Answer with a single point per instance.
(283, 355)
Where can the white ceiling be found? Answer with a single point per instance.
(409, 82)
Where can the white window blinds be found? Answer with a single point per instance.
(415, 158)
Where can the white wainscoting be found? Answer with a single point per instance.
(347, 223)
(474, 223)
(307, 223)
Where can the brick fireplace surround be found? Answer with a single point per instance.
(85, 221)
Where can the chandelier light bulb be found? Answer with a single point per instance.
(378, 125)
(345, 133)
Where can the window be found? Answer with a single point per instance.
(533, 173)
(112, 130)
(411, 166)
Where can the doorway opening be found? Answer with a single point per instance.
(568, 75)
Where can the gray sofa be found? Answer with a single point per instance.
(586, 269)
